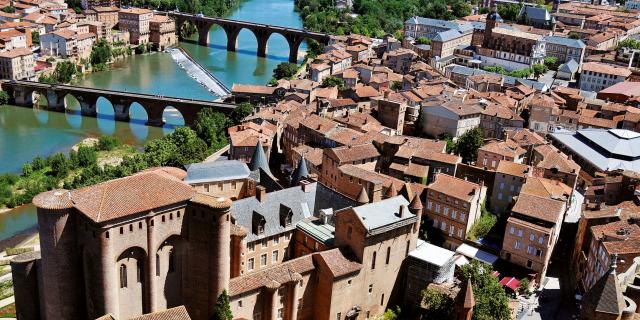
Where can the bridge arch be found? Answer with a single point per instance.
(138, 112)
(172, 116)
(71, 103)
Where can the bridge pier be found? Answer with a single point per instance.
(203, 32)
(263, 38)
(55, 100)
(23, 97)
(121, 111)
(232, 36)
(154, 115)
(179, 25)
(88, 106)
(294, 46)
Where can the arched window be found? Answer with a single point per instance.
(123, 276)
(373, 261)
(172, 261)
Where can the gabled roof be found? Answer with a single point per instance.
(572, 43)
(570, 67)
(384, 214)
(221, 170)
(340, 261)
(536, 207)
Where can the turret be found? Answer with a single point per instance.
(416, 209)
(363, 198)
(24, 270)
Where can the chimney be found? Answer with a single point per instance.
(402, 213)
(305, 185)
(261, 193)
(506, 135)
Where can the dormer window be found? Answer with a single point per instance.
(286, 216)
(257, 223)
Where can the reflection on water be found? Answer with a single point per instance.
(17, 220)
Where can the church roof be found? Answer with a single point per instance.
(606, 295)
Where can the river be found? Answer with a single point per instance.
(26, 133)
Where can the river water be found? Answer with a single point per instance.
(26, 133)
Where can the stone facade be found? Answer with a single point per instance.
(136, 21)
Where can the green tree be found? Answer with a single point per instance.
(423, 40)
(191, 148)
(86, 156)
(59, 165)
(438, 304)
(522, 73)
(461, 9)
(285, 70)
(495, 69)
(107, 143)
(523, 287)
(35, 37)
(240, 112)
(509, 12)
(101, 53)
(574, 35)
(222, 310)
(63, 73)
(9, 9)
(492, 301)
(333, 82)
(550, 62)
(629, 43)
(160, 152)
(27, 169)
(539, 69)
(4, 97)
(396, 85)
(390, 314)
(211, 127)
(468, 144)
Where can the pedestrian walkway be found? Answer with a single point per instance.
(198, 72)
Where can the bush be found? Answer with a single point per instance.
(38, 163)
(85, 156)
(107, 143)
(285, 70)
(4, 97)
(59, 165)
(27, 169)
(17, 251)
(423, 40)
(333, 82)
(483, 226)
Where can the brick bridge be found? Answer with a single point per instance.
(232, 28)
(22, 95)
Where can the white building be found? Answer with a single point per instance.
(62, 43)
(597, 76)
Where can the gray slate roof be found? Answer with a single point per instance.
(302, 205)
(446, 35)
(572, 43)
(220, 170)
(383, 213)
(507, 79)
(259, 159)
(300, 173)
(569, 67)
(462, 27)
(607, 150)
(534, 13)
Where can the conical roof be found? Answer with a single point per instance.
(391, 191)
(363, 198)
(416, 204)
(469, 300)
(606, 295)
(300, 173)
(259, 159)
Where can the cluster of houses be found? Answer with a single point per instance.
(40, 30)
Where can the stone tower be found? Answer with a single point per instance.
(24, 270)
(492, 20)
(62, 282)
(465, 302)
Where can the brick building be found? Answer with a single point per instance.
(495, 152)
(136, 21)
(162, 32)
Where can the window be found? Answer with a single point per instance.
(529, 249)
(406, 252)
(463, 217)
(538, 252)
(172, 262)
(373, 261)
(299, 303)
(263, 260)
(287, 236)
(157, 265)
(274, 256)
(454, 214)
(280, 313)
(382, 300)
(499, 195)
(446, 211)
(517, 244)
(265, 242)
(532, 237)
(437, 207)
(520, 233)
(501, 185)
(276, 239)
(240, 303)
(443, 225)
(123, 276)
(529, 263)
(460, 233)
(370, 288)
(541, 239)
(451, 229)
(338, 316)
(512, 230)
(429, 205)
(250, 264)
(251, 246)
(139, 273)
(388, 255)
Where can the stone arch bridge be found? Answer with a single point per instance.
(262, 32)
(22, 94)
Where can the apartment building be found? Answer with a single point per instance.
(496, 152)
(453, 206)
(17, 64)
(162, 32)
(565, 49)
(365, 156)
(136, 22)
(509, 178)
(596, 76)
(62, 43)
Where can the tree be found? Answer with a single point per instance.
(59, 165)
(468, 144)
(9, 9)
(492, 301)
(396, 85)
(285, 70)
(4, 97)
(629, 43)
(160, 152)
(222, 310)
(333, 82)
(35, 37)
(574, 35)
(63, 73)
(509, 12)
(191, 148)
(495, 69)
(211, 126)
(423, 40)
(539, 69)
(438, 304)
(461, 9)
(523, 287)
(240, 112)
(27, 169)
(107, 143)
(85, 156)
(101, 53)
(522, 73)
(550, 62)
(390, 314)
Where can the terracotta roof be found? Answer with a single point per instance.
(273, 276)
(177, 313)
(340, 262)
(541, 208)
(136, 11)
(553, 158)
(247, 134)
(606, 69)
(513, 169)
(506, 148)
(138, 193)
(454, 187)
(370, 176)
(349, 154)
(252, 89)
(18, 52)
(362, 91)
(547, 188)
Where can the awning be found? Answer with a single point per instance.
(510, 282)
